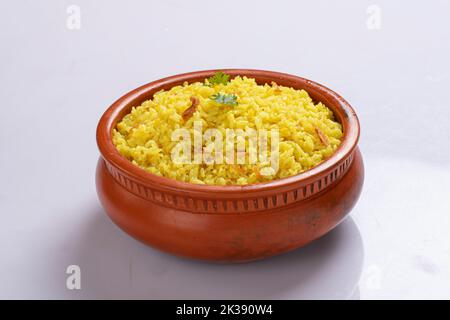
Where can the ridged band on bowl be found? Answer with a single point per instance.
(232, 205)
(229, 199)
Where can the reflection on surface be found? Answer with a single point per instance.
(356, 295)
(116, 266)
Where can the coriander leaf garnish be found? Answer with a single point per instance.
(225, 99)
(219, 78)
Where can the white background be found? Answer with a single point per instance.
(56, 82)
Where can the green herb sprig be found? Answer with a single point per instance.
(218, 78)
(225, 99)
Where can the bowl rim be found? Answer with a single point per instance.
(340, 107)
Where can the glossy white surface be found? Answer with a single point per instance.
(56, 82)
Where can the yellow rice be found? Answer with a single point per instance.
(144, 135)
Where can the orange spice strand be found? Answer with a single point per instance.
(323, 138)
(190, 111)
(238, 169)
(257, 173)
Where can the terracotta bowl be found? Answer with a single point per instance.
(230, 223)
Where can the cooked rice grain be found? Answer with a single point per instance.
(144, 135)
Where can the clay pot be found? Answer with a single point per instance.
(230, 223)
